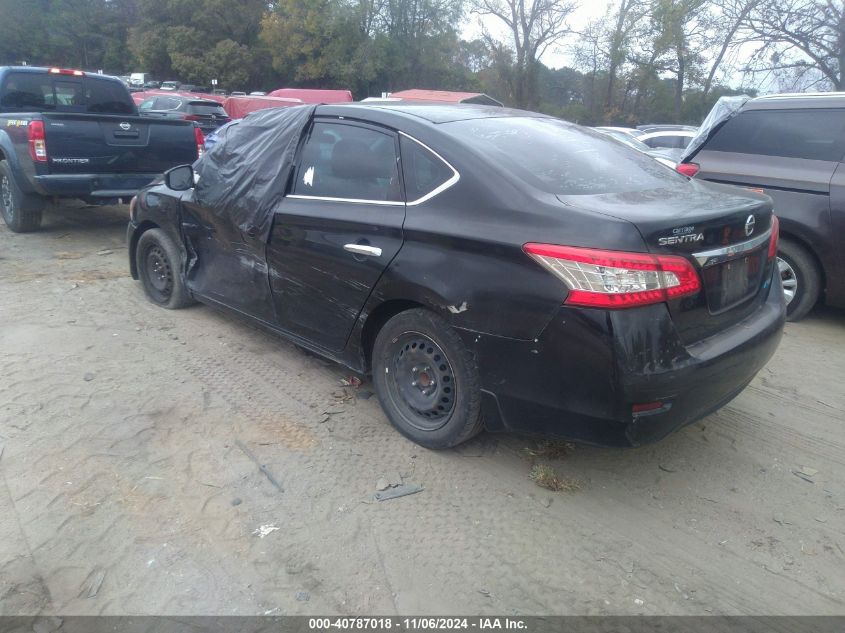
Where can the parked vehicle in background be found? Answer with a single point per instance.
(522, 273)
(257, 93)
(237, 93)
(152, 85)
(668, 139)
(312, 95)
(792, 147)
(169, 85)
(138, 80)
(208, 115)
(630, 131)
(239, 107)
(69, 134)
(657, 154)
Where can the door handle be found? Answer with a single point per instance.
(362, 249)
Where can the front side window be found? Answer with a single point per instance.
(348, 162)
(807, 134)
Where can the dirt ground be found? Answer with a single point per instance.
(130, 438)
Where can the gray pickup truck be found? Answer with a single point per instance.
(70, 134)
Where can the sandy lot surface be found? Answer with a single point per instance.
(130, 439)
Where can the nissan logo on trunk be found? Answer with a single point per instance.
(749, 225)
(125, 126)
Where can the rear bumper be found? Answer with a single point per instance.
(92, 185)
(580, 378)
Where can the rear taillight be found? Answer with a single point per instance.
(37, 141)
(198, 135)
(192, 117)
(614, 279)
(773, 240)
(687, 169)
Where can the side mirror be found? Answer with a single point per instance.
(179, 178)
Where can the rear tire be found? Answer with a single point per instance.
(800, 278)
(427, 380)
(160, 270)
(21, 211)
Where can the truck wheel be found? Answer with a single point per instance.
(21, 211)
(427, 380)
(800, 278)
(159, 268)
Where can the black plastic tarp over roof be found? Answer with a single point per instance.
(244, 175)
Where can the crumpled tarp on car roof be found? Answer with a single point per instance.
(244, 175)
(725, 108)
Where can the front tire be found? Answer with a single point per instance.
(159, 268)
(427, 380)
(800, 278)
(21, 211)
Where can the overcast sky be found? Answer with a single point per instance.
(558, 56)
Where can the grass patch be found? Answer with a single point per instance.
(549, 449)
(545, 477)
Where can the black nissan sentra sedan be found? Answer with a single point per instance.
(490, 268)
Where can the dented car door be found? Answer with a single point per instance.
(337, 230)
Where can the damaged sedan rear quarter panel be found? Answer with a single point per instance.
(330, 272)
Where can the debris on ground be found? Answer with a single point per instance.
(545, 477)
(666, 469)
(549, 449)
(264, 530)
(303, 596)
(91, 587)
(806, 473)
(351, 381)
(262, 467)
(398, 491)
(105, 252)
(486, 593)
(88, 377)
(237, 501)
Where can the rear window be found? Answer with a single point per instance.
(561, 158)
(809, 134)
(36, 92)
(206, 108)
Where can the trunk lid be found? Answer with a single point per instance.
(722, 230)
(103, 144)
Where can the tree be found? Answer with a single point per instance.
(534, 26)
(682, 27)
(799, 36)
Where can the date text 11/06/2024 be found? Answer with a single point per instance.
(413, 624)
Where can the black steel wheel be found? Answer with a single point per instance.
(21, 212)
(158, 262)
(426, 380)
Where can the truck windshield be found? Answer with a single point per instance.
(37, 92)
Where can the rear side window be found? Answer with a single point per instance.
(561, 158)
(348, 162)
(808, 134)
(422, 170)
